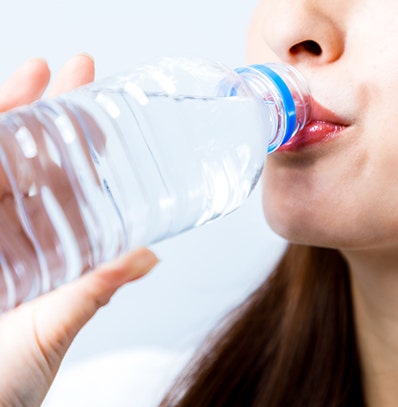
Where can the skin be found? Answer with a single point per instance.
(35, 336)
(343, 193)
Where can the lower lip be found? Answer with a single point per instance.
(315, 132)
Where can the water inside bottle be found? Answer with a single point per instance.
(194, 158)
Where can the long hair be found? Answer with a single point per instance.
(292, 343)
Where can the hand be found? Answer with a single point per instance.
(35, 336)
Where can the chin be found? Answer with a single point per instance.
(329, 233)
(305, 207)
(306, 228)
(293, 232)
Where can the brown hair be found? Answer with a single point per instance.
(292, 343)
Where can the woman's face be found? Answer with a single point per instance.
(342, 190)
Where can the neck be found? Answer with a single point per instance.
(375, 298)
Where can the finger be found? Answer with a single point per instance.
(78, 71)
(62, 313)
(25, 85)
(101, 284)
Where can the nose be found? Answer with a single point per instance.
(304, 32)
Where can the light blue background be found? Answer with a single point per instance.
(205, 272)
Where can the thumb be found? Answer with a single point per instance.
(59, 315)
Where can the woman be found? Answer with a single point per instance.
(323, 330)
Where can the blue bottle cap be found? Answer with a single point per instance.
(285, 94)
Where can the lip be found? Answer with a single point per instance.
(323, 127)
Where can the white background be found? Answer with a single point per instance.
(205, 272)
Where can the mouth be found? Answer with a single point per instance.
(323, 127)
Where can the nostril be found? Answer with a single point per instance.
(309, 46)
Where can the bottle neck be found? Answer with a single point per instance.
(286, 89)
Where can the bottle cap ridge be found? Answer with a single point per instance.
(285, 94)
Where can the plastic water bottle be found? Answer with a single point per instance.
(132, 160)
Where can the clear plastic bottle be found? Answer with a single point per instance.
(131, 160)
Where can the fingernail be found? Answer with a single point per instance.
(85, 54)
(146, 257)
(141, 261)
